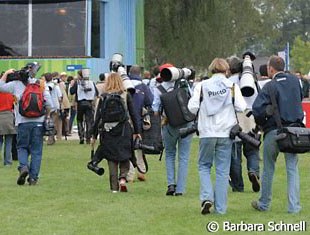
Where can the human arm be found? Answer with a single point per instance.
(194, 101)
(133, 115)
(7, 87)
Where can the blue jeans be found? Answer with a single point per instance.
(219, 151)
(252, 156)
(30, 142)
(7, 153)
(271, 152)
(236, 180)
(172, 141)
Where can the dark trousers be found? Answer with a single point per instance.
(84, 113)
(113, 171)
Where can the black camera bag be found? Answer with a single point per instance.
(175, 106)
(294, 138)
(152, 136)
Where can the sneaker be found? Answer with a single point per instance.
(178, 194)
(114, 191)
(254, 204)
(171, 190)
(141, 177)
(255, 182)
(31, 181)
(122, 186)
(22, 176)
(81, 141)
(205, 207)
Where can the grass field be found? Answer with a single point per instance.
(69, 199)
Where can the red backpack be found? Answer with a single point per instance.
(31, 104)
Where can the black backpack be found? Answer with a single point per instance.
(174, 104)
(113, 108)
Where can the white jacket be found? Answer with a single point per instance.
(223, 116)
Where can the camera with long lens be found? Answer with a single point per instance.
(173, 73)
(24, 73)
(95, 168)
(116, 62)
(139, 145)
(186, 131)
(252, 138)
(247, 79)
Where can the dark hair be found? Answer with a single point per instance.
(235, 64)
(70, 78)
(277, 63)
(156, 71)
(101, 76)
(48, 77)
(263, 70)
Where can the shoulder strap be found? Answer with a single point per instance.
(275, 106)
(162, 89)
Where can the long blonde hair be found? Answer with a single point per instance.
(114, 83)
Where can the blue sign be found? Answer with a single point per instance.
(74, 67)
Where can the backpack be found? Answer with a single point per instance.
(152, 136)
(174, 104)
(113, 108)
(31, 104)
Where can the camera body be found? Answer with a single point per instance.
(49, 127)
(173, 73)
(24, 73)
(251, 138)
(139, 145)
(18, 75)
(184, 132)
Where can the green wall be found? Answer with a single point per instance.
(47, 65)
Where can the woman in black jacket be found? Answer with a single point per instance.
(114, 110)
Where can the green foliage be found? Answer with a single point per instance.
(193, 32)
(69, 199)
(301, 55)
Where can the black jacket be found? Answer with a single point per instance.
(288, 95)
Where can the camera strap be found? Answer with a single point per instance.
(275, 107)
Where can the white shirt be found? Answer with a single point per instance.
(219, 124)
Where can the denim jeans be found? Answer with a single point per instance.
(271, 152)
(30, 142)
(252, 157)
(172, 142)
(236, 180)
(219, 151)
(7, 153)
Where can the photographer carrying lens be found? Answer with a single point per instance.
(142, 98)
(247, 124)
(114, 109)
(85, 92)
(288, 96)
(173, 143)
(216, 117)
(34, 104)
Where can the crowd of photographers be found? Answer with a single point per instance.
(228, 111)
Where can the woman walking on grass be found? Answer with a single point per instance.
(114, 109)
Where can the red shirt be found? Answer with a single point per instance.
(6, 101)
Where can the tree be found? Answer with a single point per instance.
(301, 55)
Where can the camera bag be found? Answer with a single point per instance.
(291, 139)
(175, 104)
(152, 136)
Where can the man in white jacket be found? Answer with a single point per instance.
(216, 99)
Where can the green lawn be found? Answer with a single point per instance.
(70, 199)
